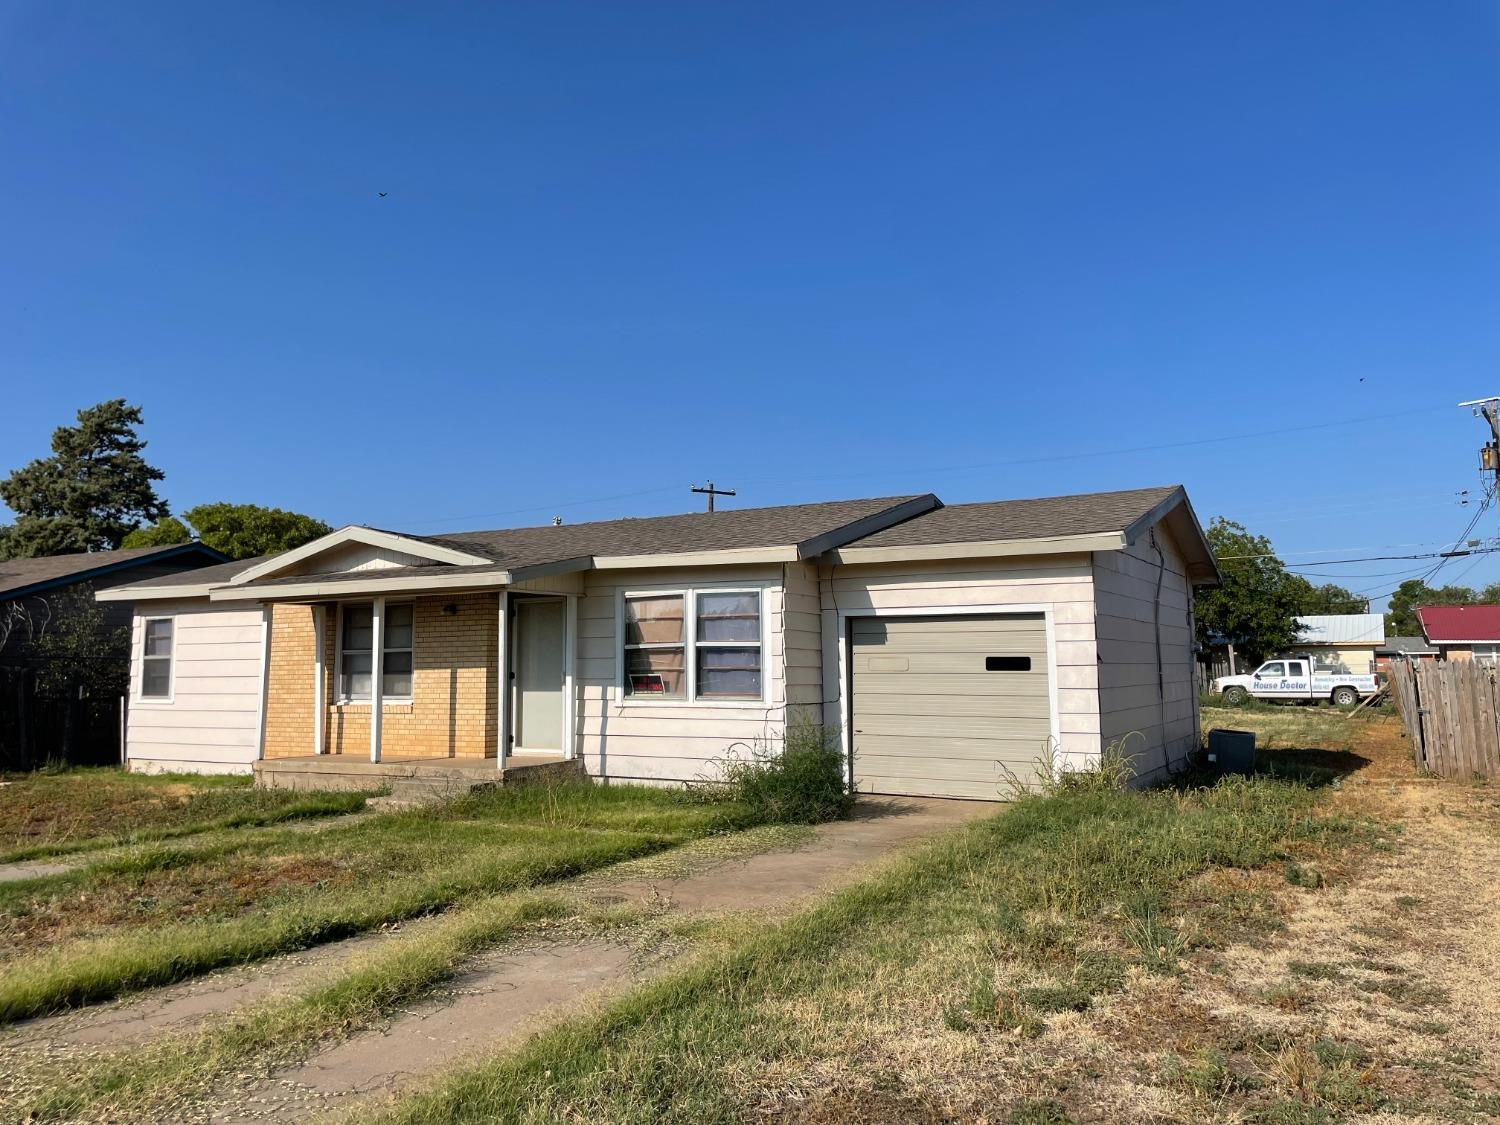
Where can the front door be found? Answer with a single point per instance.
(539, 674)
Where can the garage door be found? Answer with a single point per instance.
(943, 706)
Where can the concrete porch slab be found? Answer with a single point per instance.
(430, 776)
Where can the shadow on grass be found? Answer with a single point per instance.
(1314, 767)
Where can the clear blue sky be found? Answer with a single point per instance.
(809, 250)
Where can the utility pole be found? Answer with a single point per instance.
(711, 492)
(1489, 452)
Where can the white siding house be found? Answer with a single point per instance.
(201, 711)
(953, 650)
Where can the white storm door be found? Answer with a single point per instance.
(540, 653)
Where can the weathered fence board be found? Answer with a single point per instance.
(1452, 715)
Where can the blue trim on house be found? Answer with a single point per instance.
(172, 552)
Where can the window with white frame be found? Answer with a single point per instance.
(156, 658)
(356, 641)
(656, 645)
(706, 643)
(1487, 654)
(728, 644)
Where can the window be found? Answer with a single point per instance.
(1277, 669)
(705, 644)
(156, 659)
(1487, 654)
(356, 637)
(1294, 668)
(655, 650)
(728, 645)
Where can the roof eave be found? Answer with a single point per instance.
(993, 548)
(316, 588)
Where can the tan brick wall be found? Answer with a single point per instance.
(289, 680)
(452, 712)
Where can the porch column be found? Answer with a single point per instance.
(502, 681)
(320, 689)
(570, 679)
(377, 675)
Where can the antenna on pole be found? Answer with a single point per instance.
(711, 492)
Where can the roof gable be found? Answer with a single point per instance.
(330, 554)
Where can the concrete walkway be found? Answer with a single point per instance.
(510, 992)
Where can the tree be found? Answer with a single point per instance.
(164, 533)
(1401, 612)
(1328, 598)
(243, 531)
(78, 657)
(93, 491)
(1256, 608)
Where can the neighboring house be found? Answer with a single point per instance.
(33, 592)
(1463, 632)
(1403, 648)
(1341, 642)
(949, 646)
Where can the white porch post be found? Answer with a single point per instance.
(377, 675)
(570, 679)
(502, 681)
(320, 689)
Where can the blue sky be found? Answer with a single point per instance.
(810, 251)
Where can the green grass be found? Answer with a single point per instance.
(68, 812)
(116, 925)
(929, 946)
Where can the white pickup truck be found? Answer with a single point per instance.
(1295, 678)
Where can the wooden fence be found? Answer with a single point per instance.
(1452, 714)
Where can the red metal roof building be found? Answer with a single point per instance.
(1463, 632)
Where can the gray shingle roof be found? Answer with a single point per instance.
(791, 525)
(17, 576)
(208, 575)
(1022, 519)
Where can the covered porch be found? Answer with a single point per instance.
(420, 683)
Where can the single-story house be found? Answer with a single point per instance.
(1341, 642)
(35, 593)
(949, 646)
(1463, 632)
(1403, 648)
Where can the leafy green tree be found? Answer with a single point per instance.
(243, 531)
(92, 492)
(1401, 613)
(164, 533)
(6, 531)
(1328, 598)
(1256, 608)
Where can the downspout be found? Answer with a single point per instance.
(1161, 676)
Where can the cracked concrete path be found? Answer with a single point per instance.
(506, 993)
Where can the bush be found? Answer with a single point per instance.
(804, 784)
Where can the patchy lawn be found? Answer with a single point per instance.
(951, 987)
(65, 812)
(166, 911)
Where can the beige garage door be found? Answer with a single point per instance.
(943, 706)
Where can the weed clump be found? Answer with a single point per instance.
(804, 783)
